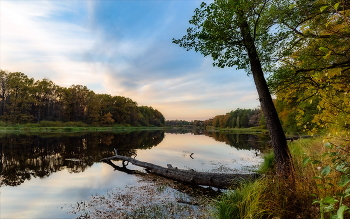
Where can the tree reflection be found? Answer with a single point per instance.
(241, 141)
(27, 156)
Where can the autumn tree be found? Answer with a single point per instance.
(241, 33)
(107, 119)
(312, 80)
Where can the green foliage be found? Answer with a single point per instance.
(216, 30)
(51, 124)
(179, 123)
(239, 118)
(23, 100)
(322, 185)
(242, 202)
(311, 80)
(227, 207)
(75, 124)
(339, 168)
(242, 34)
(268, 164)
(151, 117)
(68, 129)
(33, 125)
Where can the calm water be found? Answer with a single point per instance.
(43, 176)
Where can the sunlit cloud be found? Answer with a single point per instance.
(34, 43)
(121, 48)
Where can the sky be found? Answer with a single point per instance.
(122, 48)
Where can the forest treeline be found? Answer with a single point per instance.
(239, 118)
(24, 100)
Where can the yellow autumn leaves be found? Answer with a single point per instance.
(314, 88)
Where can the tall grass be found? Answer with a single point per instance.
(243, 202)
(268, 164)
(273, 197)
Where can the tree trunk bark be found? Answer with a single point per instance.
(217, 180)
(284, 165)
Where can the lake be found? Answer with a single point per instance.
(49, 176)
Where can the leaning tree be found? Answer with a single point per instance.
(244, 34)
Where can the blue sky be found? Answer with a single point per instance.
(121, 48)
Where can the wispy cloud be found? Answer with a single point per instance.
(122, 48)
(36, 42)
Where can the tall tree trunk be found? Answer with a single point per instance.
(284, 165)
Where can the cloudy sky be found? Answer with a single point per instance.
(123, 48)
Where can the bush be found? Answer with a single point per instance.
(332, 178)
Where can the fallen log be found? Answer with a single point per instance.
(218, 180)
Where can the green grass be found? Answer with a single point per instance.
(272, 197)
(268, 164)
(242, 202)
(71, 129)
(239, 130)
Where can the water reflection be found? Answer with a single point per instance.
(54, 171)
(242, 141)
(27, 156)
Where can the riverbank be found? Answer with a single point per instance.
(321, 187)
(251, 130)
(73, 129)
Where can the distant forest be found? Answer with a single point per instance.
(239, 118)
(24, 100)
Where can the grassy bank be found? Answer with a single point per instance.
(71, 129)
(322, 185)
(253, 130)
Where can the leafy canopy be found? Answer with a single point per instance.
(314, 74)
(215, 31)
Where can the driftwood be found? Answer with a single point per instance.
(218, 180)
(121, 169)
